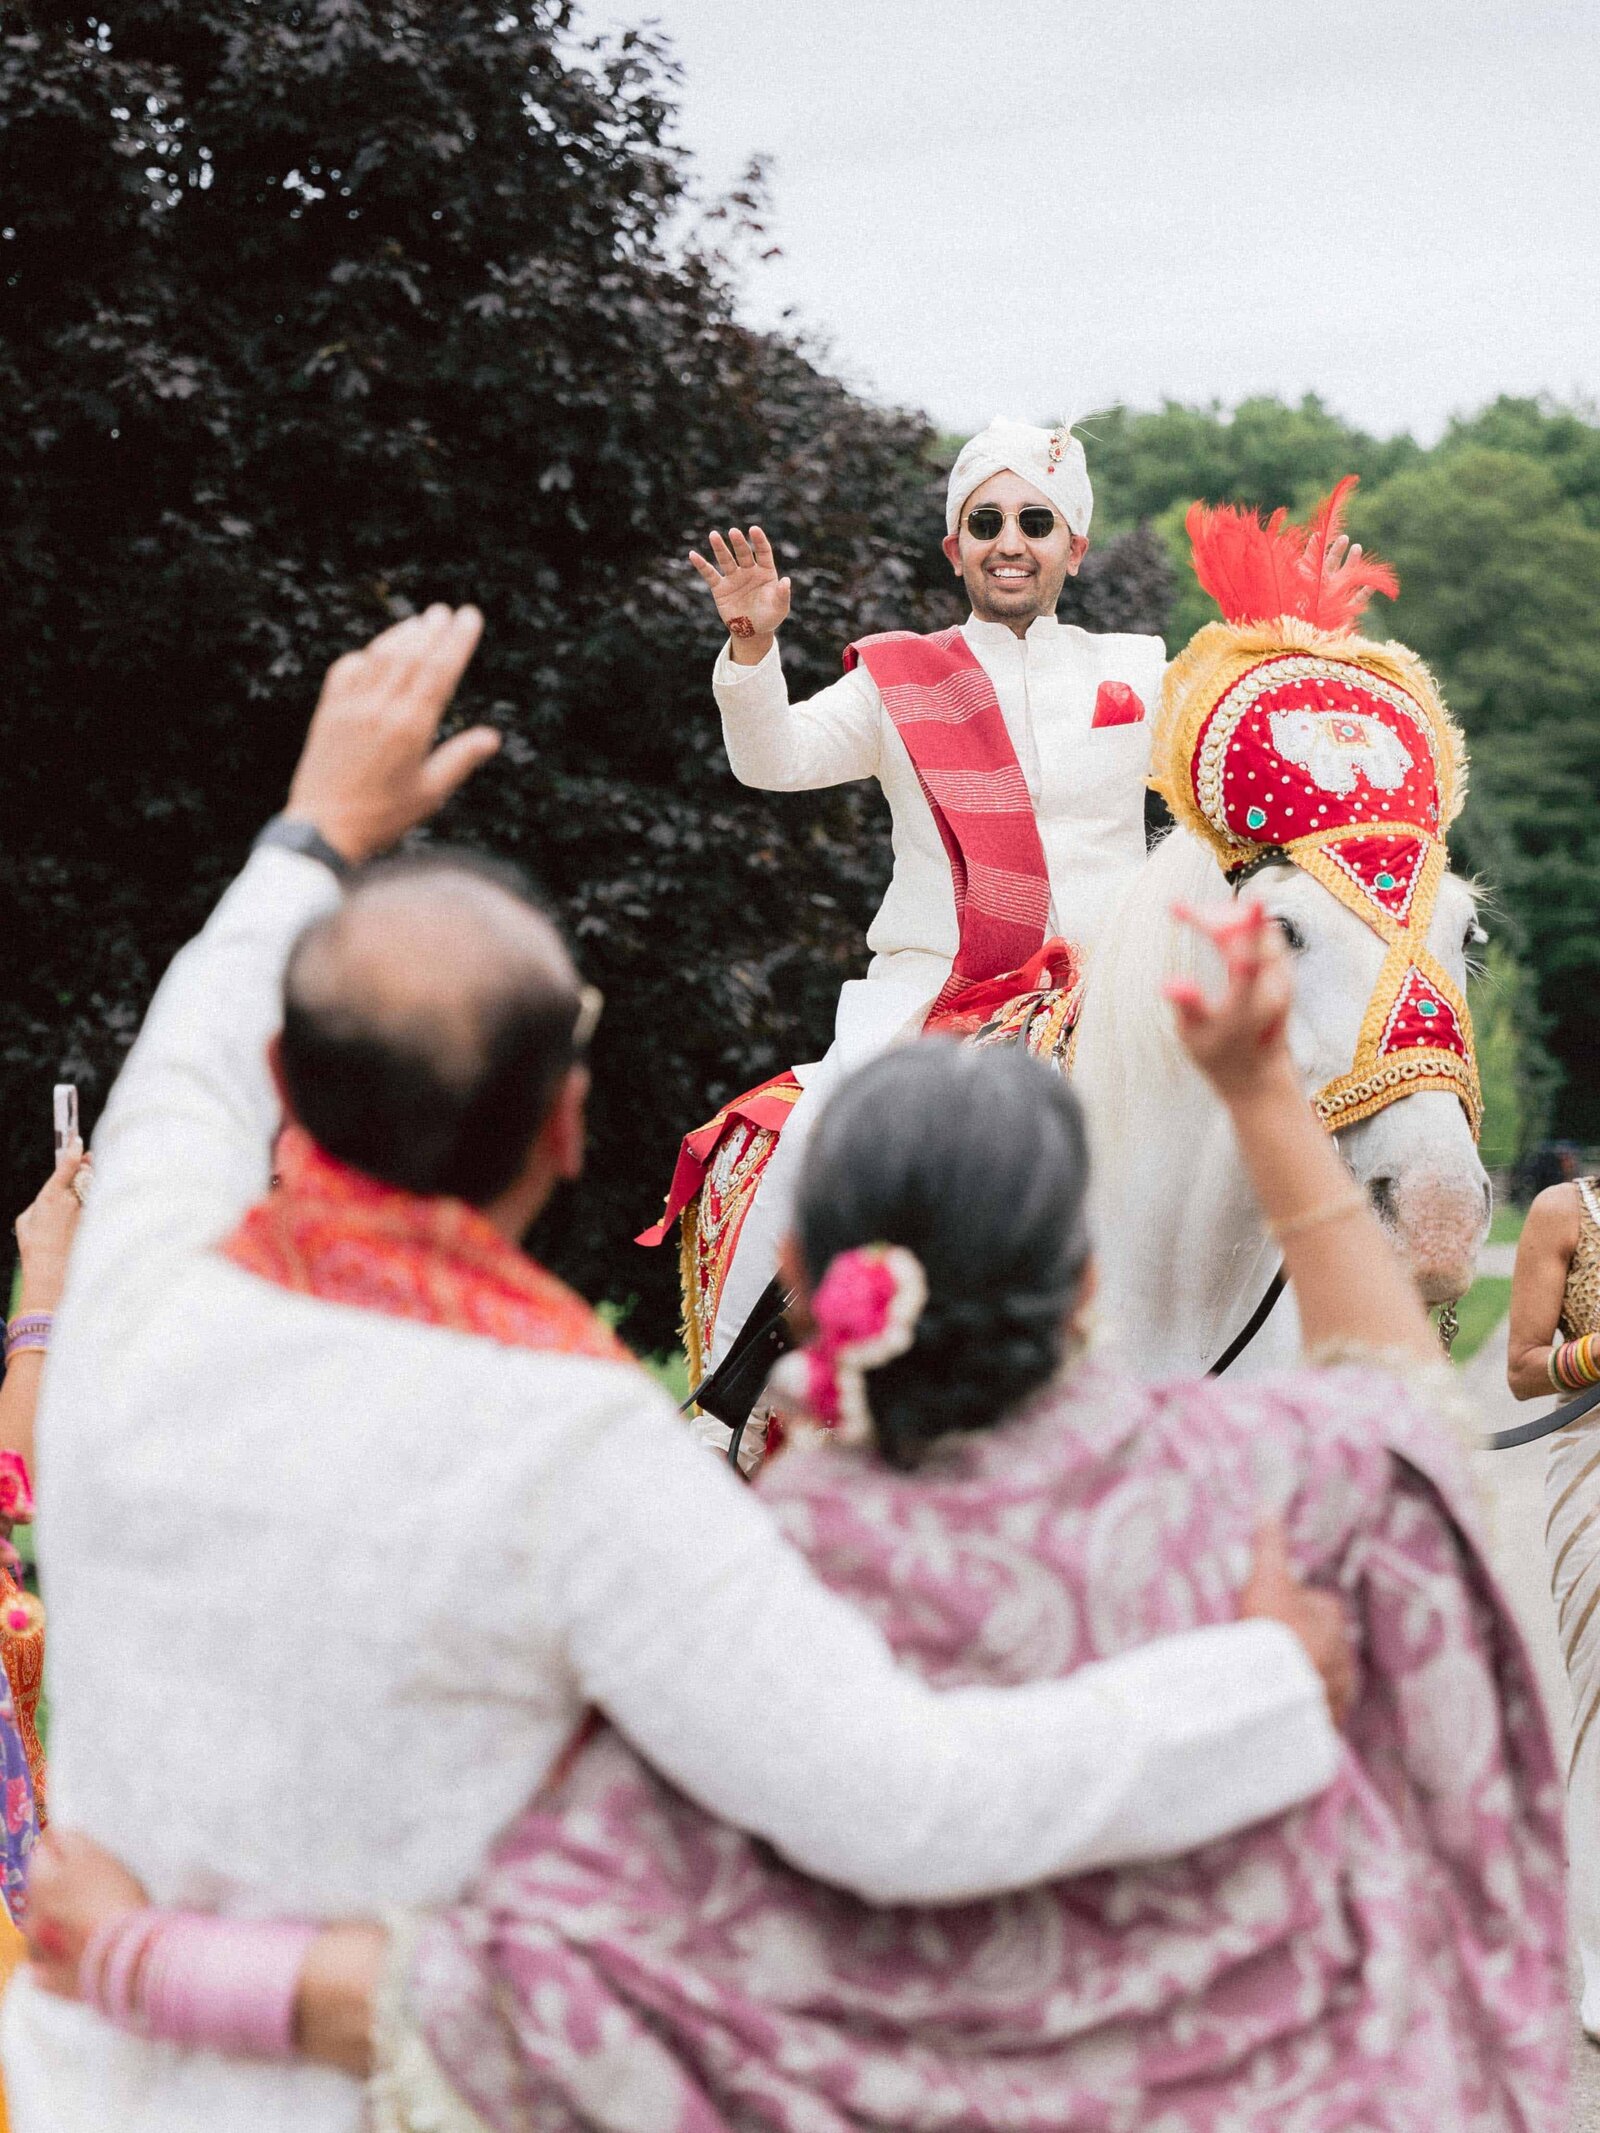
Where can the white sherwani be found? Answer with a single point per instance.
(329, 1590)
(1087, 786)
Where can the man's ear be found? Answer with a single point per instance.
(951, 544)
(1077, 552)
(566, 1130)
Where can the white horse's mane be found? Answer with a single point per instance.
(1127, 1040)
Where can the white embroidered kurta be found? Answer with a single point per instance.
(1087, 786)
(329, 1590)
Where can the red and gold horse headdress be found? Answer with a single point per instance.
(1284, 736)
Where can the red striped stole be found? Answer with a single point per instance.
(944, 708)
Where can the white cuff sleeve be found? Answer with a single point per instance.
(728, 674)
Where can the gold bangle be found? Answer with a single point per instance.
(1332, 1211)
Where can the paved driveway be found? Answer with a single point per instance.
(1513, 1489)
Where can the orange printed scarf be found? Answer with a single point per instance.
(332, 1232)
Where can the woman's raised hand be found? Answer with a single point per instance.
(45, 1231)
(1239, 1041)
(751, 597)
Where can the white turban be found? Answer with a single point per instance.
(1051, 459)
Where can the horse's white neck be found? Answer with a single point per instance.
(1184, 1256)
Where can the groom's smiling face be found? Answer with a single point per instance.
(1012, 578)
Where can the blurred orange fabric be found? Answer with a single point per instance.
(13, 1950)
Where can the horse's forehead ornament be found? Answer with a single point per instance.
(1285, 736)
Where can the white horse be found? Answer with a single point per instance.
(1184, 1255)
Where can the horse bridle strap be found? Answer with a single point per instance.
(1574, 1410)
(1252, 1325)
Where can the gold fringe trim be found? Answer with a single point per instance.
(688, 1259)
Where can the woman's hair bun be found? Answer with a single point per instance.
(976, 1160)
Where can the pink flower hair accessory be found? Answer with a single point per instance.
(865, 1310)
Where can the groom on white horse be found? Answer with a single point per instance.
(1013, 752)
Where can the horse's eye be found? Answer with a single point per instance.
(1476, 937)
(1293, 939)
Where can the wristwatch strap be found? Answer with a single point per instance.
(294, 836)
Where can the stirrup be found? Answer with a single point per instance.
(731, 1390)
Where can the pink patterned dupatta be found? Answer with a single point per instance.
(1390, 1957)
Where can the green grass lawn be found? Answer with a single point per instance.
(1479, 1312)
(672, 1371)
(1489, 1298)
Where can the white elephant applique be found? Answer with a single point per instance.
(1332, 746)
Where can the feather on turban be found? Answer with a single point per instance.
(1051, 459)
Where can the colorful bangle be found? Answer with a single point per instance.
(214, 1984)
(1575, 1364)
(29, 1332)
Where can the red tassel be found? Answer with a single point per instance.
(1257, 573)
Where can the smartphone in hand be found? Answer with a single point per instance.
(66, 1115)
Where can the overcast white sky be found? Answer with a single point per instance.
(1038, 207)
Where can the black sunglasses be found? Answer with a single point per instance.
(1035, 521)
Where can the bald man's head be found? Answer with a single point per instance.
(428, 1023)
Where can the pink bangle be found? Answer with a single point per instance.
(110, 1962)
(219, 1984)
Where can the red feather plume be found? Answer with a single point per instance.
(1257, 573)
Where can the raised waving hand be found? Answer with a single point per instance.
(751, 597)
(1242, 1037)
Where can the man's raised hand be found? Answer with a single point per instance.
(751, 598)
(370, 769)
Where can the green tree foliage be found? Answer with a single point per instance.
(1566, 439)
(314, 312)
(1500, 592)
(1263, 452)
(1511, 1062)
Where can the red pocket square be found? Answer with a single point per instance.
(1116, 704)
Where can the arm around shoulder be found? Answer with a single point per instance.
(712, 1646)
